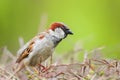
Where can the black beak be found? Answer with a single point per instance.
(69, 32)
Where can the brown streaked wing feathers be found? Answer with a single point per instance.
(25, 53)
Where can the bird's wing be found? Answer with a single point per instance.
(27, 48)
(25, 52)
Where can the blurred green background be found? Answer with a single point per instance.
(95, 23)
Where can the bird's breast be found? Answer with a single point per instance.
(41, 51)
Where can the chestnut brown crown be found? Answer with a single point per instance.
(62, 26)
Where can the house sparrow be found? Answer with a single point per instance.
(42, 46)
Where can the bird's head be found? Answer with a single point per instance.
(60, 30)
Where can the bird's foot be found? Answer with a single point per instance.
(43, 68)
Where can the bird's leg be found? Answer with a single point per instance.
(43, 68)
(47, 68)
(40, 66)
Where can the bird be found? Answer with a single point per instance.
(42, 46)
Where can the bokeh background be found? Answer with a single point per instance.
(95, 23)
